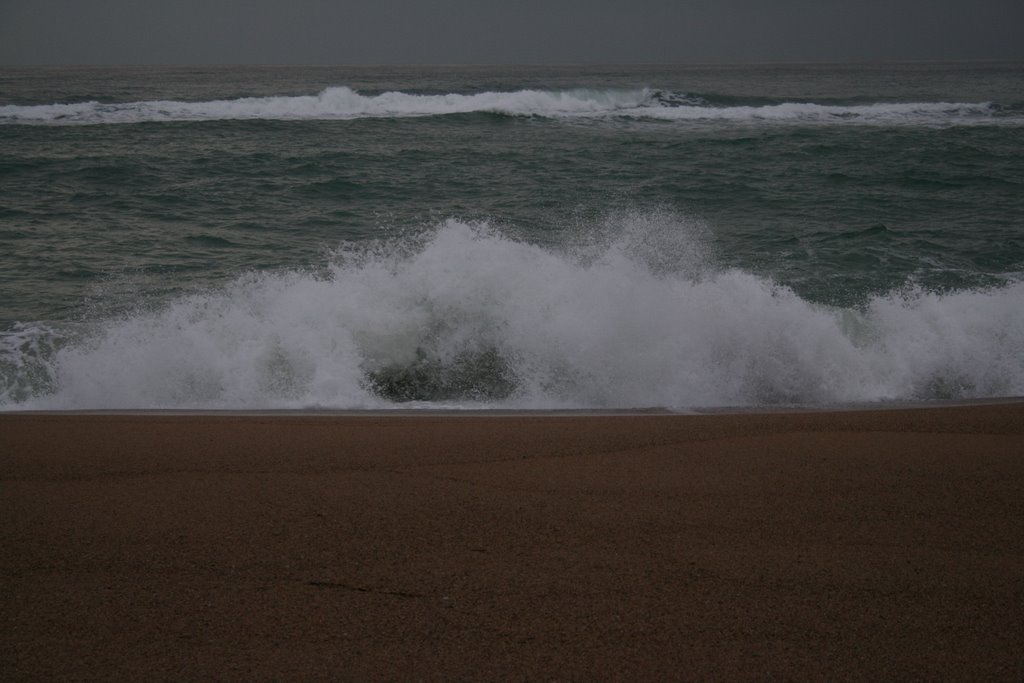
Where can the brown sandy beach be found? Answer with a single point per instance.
(865, 544)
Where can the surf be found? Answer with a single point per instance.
(344, 103)
(466, 316)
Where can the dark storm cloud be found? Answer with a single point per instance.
(528, 31)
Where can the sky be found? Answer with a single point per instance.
(511, 32)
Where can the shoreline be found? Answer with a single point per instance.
(866, 543)
(398, 411)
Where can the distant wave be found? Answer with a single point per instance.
(345, 103)
(465, 316)
(338, 103)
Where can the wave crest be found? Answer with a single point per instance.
(468, 317)
(341, 103)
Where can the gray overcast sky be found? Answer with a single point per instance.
(523, 31)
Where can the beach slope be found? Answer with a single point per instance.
(855, 544)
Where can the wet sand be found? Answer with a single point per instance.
(859, 544)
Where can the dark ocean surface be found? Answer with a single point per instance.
(526, 237)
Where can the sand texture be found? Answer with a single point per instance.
(810, 545)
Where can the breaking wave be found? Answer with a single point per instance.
(345, 103)
(467, 317)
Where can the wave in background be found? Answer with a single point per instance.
(465, 316)
(346, 103)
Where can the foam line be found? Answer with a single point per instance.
(345, 103)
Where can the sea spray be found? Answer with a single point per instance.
(465, 316)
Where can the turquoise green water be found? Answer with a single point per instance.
(261, 237)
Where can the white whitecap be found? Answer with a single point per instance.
(467, 316)
(342, 103)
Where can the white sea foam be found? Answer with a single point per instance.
(335, 103)
(915, 113)
(345, 103)
(466, 316)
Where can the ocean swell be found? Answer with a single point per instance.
(467, 317)
(341, 103)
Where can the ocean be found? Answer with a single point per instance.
(596, 237)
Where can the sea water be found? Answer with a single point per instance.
(510, 237)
